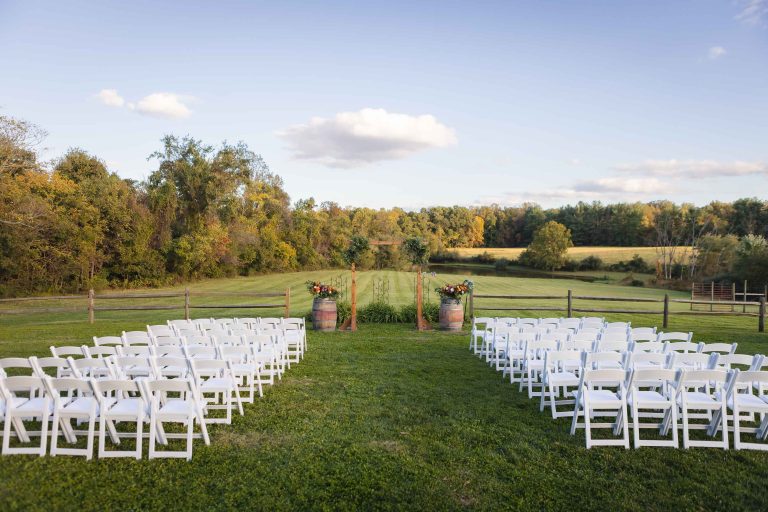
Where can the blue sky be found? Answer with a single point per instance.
(412, 103)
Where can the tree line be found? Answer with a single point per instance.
(212, 211)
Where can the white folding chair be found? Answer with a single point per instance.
(649, 347)
(120, 401)
(59, 365)
(561, 378)
(533, 365)
(94, 368)
(615, 335)
(602, 393)
(692, 361)
(131, 367)
(100, 351)
(649, 389)
(72, 399)
(497, 345)
(186, 408)
(25, 398)
(215, 377)
(685, 347)
(703, 390)
(160, 330)
(134, 338)
(592, 322)
(170, 367)
(572, 324)
(742, 399)
(642, 332)
(612, 346)
(647, 360)
(675, 336)
(17, 366)
(245, 369)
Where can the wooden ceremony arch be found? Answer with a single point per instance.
(350, 324)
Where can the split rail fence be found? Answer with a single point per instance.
(570, 306)
(92, 303)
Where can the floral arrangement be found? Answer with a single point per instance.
(322, 291)
(454, 291)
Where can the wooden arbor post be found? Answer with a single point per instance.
(419, 298)
(350, 324)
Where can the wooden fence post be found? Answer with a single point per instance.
(712, 295)
(761, 317)
(353, 312)
(287, 303)
(472, 303)
(419, 298)
(665, 324)
(570, 303)
(186, 303)
(91, 310)
(744, 308)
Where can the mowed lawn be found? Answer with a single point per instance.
(607, 254)
(387, 418)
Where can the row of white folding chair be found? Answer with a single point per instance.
(684, 393)
(60, 400)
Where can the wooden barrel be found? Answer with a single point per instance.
(451, 315)
(324, 315)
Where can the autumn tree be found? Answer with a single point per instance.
(549, 247)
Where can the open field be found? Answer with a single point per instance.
(607, 254)
(388, 418)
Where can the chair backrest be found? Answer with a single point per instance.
(580, 345)
(652, 377)
(536, 349)
(605, 377)
(236, 353)
(258, 340)
(249, 323)
(643, 331)
(643, 337)
(40, 364)
(740, 361)
(649, 346)
(90, 367)
(552, 336)
(18, 365)
(199, 340)
(225, 322)
(590, 335)
(101, 351)
(675, 336)
(699, 379)
(562, 332)
(527, 321)
(601, 360)
(160, 330)
(618, 325)
(130, 366)
(228, 339)
(722, 348)
(169, 366)
(27, 385)
(562, 360)
(615, 346)
(55, 386)
(169, 340)
(181, 324)
(189, 333)
(136, 338)
(203, 369)
(570, 323)
(72, 351)
(592, 323)
(154, 391)
(101, 341)
(656, 358)
(136, 350)
(293, 322)
(201, 352)
(614, 335)
(693, 360)
(239, 330)
(202, 323)
(170, 351)
(506, 320)
(107, 390)
(747, 380)
(684, 346)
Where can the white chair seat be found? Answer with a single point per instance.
(562, 378)
(750, 401)
(126, 407)
(81, 405)
(217, 383)
(695, 398)
(177, 409)
(598, 397)
(32, 405)
(648, 398)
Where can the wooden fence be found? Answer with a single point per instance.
(91, 303)
(570, 306)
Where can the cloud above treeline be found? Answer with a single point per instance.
(715, 52)
(695, 168)
(369, 135)
(165, 105)
(753, 12)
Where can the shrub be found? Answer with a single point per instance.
(591, 263)
(637, 282)
(501, 264)
(548, 248)
(638, 265)
(570, 265)
(378, 313)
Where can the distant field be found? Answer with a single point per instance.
(607, 254)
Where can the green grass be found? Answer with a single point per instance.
(387, 418)
(607, 254)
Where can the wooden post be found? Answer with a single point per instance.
(744, 308)
(666, 311)
(761, 317)
(353, 308)
(570, 303)
(186, 303)
(693, 293)
(472, 304)
(733, 296)
(712, 295)
(91, 310)
(287, 303)
(419, 296)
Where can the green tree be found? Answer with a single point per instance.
(549, 247)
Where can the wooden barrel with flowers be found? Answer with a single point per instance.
(451, 308)
(324, 312)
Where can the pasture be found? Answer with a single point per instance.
(609, 255)
(386, 418)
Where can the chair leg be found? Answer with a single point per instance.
(55, 433)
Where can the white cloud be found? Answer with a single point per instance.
(620, 185)
(754, 12)
(354, 139)
(162, 104)
(159, 104)
(110, 98)
(716, 52)
(695, 168)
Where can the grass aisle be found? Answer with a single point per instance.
(392, 419)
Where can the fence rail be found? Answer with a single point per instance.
(184, 304)
(569, 308)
